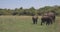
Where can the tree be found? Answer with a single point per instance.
(32, 9)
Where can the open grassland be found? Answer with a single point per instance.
(24, 24)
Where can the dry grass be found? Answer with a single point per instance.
(24, 24)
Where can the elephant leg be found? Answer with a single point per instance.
(48, 21)
(42, 21)
(54, 18)
(51, 22)
(33, 21)
(36, 21)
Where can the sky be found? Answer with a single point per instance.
(12, 4)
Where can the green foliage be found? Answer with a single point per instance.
(30, 11)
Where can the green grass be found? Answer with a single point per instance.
(24, 24)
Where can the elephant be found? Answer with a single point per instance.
(35, 19)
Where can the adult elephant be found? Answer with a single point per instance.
(52, 15)
(35, 19)
(46, 19)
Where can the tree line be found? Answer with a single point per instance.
(31, 11)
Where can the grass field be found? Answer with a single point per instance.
(24, 24)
